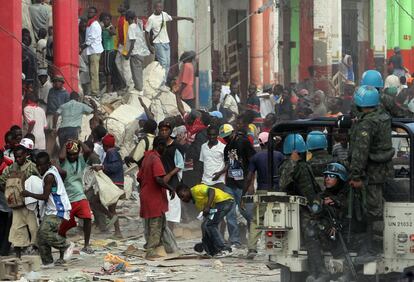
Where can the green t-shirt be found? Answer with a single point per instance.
(73, 180)
(107, 40)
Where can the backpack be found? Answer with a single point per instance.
(14, 187)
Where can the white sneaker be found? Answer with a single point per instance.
(223, 254)
(69, 251)
(46, 266)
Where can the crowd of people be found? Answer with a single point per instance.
(212, 158)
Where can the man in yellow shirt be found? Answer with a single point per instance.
(215, 204)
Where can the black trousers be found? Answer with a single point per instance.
(5, 225)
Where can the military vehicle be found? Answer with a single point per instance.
(281, 224)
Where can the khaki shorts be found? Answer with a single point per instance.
(24, 221)
(49, 119)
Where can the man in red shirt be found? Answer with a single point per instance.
(153, 197)
(186, 78)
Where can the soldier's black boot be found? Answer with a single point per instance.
(367, 253)
(346, 274)
(317, 269)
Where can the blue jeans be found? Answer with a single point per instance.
(232, 225)
(213, 242)
(162, 55)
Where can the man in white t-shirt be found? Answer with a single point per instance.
(157, 23)
(35, 118)
(94, 48)
(212, 157)
(214, 174)
(137, 49)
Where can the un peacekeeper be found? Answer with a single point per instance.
(388, 97)
(370, 158)
(319, 156)
(321, 232)
(296, 178)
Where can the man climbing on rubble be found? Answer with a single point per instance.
(144, 143)
(137, 49)
(157, 35)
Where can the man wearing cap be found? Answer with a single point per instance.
(71, 114)
(72, 168)
(24, 227)
(259, 165)
(44, 87)
(35, 118)
(112, 166)
(237, 155)
(57, 96)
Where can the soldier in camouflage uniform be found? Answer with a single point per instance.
(317, 147)
(321, 232)
(370, 160)
(388, 97)
(296, 178)
(389, 103)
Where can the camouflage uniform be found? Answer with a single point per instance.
(320, 159)
(389, 104)
(316, 232)
(48, 237)
(296, 178)
(370, 159)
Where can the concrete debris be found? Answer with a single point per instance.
(217, 264)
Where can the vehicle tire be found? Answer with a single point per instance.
(288, 276)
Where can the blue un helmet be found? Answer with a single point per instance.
(294, 142)
(316, 140)
(338, 170)
(372, 78)
(366, 96)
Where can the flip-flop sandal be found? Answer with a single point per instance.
(87, 250)
(112, 221)
(60, 262)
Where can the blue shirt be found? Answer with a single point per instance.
(113, 166)
(55, 99)
(259, 163)
(72, 113)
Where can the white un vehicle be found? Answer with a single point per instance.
(281, 223)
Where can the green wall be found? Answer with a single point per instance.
(295, 37)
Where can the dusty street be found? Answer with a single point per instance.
(185, 267)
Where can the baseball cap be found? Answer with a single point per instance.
(58, 78)
(41, 72)
(263, 138)
(216, 114)
(226, 130)
(27, 143)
